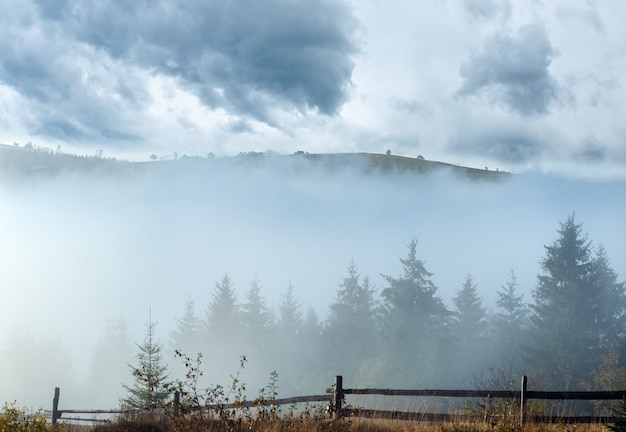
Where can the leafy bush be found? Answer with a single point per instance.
(13, 419)
(216, 407)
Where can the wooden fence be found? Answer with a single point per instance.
(335, 397)
(57, 414)
(521, 396)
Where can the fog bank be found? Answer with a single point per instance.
(81, 251)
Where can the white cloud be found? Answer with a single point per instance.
(323, 77)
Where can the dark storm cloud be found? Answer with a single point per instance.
(512, 71)
(83, 69)
(244, 56)
(71, 93)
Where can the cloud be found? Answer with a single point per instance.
(71, 92)
(512, 71)
(587, 15)
(410, 106)
(246, 57)
(85, 69)
(592, 151)
(508, 143)
(485, 10)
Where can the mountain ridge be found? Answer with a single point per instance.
(28, 160)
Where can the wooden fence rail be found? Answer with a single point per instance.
(57, 414)
(336, 396)
(522, 396)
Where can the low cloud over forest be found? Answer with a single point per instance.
(86, 255)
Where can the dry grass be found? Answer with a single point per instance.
(344, 425)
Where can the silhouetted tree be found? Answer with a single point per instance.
(572, 316)
(611, 301)
(223, 326)
(510, 323)
(349, 333)
(469, 326)
(610, 372)
(312, 363)
(288, 339)
(222, 314)
(256, 318)
(511, 319)
(290, 318)
(413, 324)
(186, 335)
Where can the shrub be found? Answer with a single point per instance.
(13, 419)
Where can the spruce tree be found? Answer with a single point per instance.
(186, 336)
(577, 305)
(150, 388)
(222, 342)
(413, 324)
(288, 340)
(312, 362)
(256, 320)
(469, 325)
(223, 315)
(510, 323)
(611, 301)
(350, 330)
(290, 317)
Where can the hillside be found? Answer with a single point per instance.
(29, 161)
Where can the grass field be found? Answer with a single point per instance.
(343, 425)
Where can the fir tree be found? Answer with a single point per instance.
(186, 336)
(510, 323)
(309, 356)
(469, 325)
(350, 329)
(256, 319)
(577, 307)
(290, 320)
(288, 340)
(611, 301)
(223, 342)
(413, 324)
(150, 388)
(223, 315)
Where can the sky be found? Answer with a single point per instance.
(524, 85)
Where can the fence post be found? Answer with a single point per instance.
(55, 408)
(522, 409)
(338, 397)
(176, 403)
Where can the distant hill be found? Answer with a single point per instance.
(28, 161)
(31, 161)
(388, 163)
